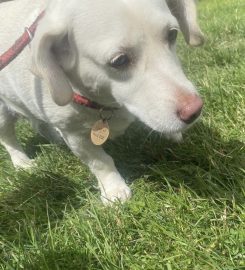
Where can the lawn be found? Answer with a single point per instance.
(187, 211)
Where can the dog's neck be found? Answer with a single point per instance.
(100, 96)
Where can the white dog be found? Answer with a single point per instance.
(119, 54)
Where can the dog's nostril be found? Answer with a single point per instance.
(191, 111)
(192, 118)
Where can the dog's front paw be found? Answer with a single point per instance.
(117, 191)
(22, 162)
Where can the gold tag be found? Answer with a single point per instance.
(100, 132)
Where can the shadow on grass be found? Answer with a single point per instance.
(204, 161)
(38, 203)
(33, 145)
(63, 259)
(38, 200)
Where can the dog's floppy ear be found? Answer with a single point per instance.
(186, 14)
(51, 31)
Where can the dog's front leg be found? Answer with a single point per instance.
(112, 185)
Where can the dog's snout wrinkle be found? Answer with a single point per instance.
(190, 109)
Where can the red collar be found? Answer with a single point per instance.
(19, 46)
(81, 100)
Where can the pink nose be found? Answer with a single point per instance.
(190, 109)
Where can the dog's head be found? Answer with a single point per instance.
(122, 52)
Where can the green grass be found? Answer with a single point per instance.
(187, 211)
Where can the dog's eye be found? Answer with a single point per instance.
(172, 35)
(120, 61)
